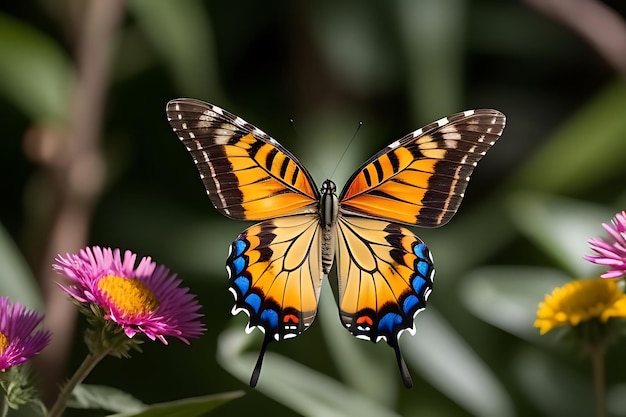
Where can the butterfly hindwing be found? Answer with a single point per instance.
(385, 276)
(275, 274)
(247, 174)
(421, 178)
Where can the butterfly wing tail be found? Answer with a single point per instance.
(404, 370)
(256, 373)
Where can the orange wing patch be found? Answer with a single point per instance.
(247, 174)
(385, 277)
(376, 267)
(275, 274)
(420, 179)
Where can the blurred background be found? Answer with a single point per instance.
(87, 157)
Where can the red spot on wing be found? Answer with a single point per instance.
(364, 319)
(290, 318)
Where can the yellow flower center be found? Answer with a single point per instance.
(580, 301)
(4, 342)
(131, 296)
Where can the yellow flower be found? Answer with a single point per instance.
(581, 301)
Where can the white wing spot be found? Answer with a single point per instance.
(442, 121)
(259, 132)
(428, 291)
(394, 145)
(180, 116)
(217, 110)
(239, 121)
(191, 135)
(417, 133)
(177, 107)
(468, 112)
(455, 135)
(450, 143)
(184, 125)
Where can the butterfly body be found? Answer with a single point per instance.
(385, 272)
(328, 211)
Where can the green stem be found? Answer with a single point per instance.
(5, 406)
(597, 364)
(79, 376)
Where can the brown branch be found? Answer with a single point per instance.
(76, 177)
(594, 21)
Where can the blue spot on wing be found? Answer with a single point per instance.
(420, 250)
(423, 268)
(254, 301)
(409, 302)
(239, 263)
(239, 246)
(243, 284)
(388, 322)
(270, 317)
(418, 283)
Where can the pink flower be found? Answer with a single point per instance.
(18, 339)
(145, 299)
(612, 251)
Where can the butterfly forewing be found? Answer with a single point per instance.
(247, 174)
(421, 178)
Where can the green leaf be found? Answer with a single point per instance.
(16, 280)
(554, 389)
(189, 407)
(181, 34)
(101, 397)
(294, 385)
(586, 150)
(427, 28)
(108, 398)
(561, 227)
(507, 297)
(35, 74)
(448, 363)
(350, 355)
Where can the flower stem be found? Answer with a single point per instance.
(79, 376)
(597, 364)
(5, 406)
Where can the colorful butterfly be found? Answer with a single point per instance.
(385, 272)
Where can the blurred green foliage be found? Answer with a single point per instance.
(556, 174)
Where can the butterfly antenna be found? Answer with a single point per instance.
(259, 362)
(347, 147)
(404, 371)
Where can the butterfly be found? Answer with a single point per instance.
(276, 266)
